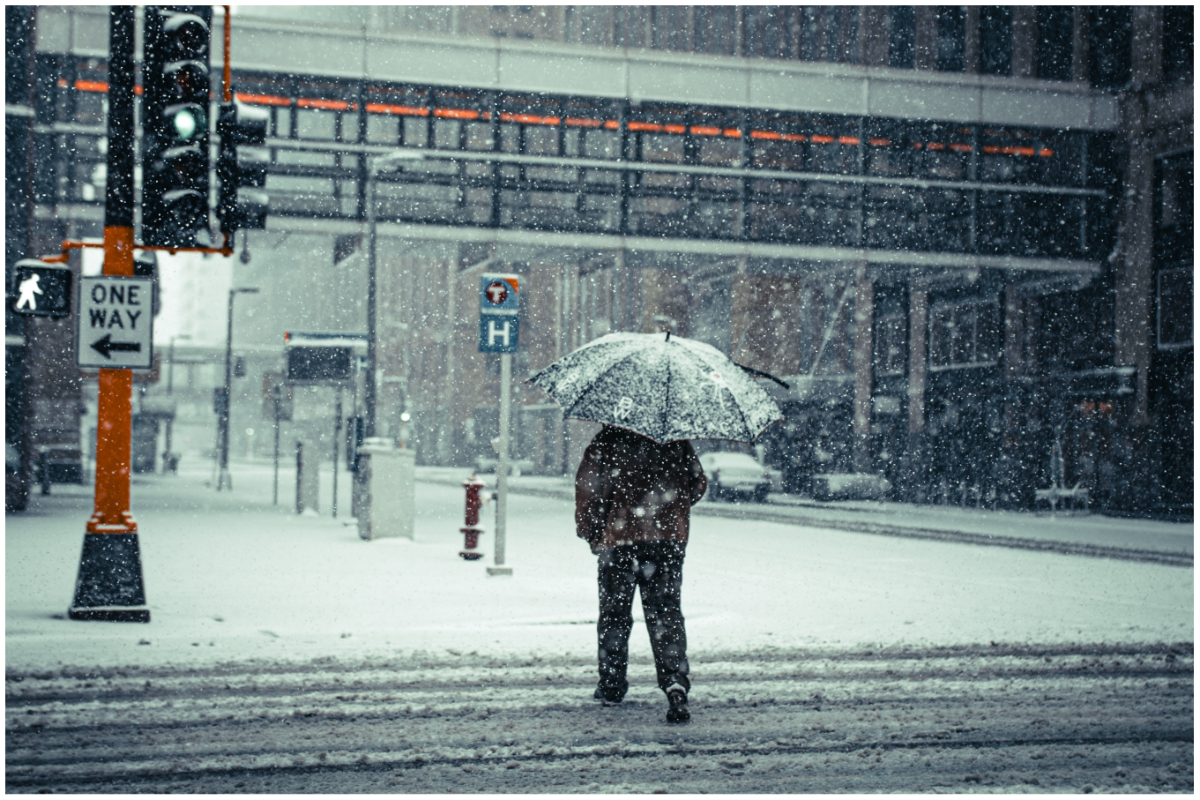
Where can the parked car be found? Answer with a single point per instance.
(734, 474)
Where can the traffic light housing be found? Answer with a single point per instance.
(176, 84)
(41, 289)
(242, 173)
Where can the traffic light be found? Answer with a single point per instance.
(42, 290)
(175, 123)
(242, 173)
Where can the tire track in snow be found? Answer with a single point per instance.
(793, 721)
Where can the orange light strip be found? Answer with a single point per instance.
(583, 122)
(383, 108)
(96, 86)
(1014, 151)
(264, 99)
(455, 113)
(331, 105)
(529, 119)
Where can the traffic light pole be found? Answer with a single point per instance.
(109, 584)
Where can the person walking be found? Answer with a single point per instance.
(633, 499)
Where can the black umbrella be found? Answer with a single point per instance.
(663, 387)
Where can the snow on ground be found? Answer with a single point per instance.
(229, 577)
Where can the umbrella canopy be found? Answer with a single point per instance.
(663, 387)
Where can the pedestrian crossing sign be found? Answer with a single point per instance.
(41, 289)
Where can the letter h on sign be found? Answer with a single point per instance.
(498, 334)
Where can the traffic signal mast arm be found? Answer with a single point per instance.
(71, 244)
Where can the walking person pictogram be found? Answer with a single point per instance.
(28, 288)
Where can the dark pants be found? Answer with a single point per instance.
(656, 567)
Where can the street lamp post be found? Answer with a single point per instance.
(170, 386)
(223, 415)
(370, 385)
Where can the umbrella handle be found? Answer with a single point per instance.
(762, 374)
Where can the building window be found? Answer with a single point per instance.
(669, 26)
(716, 29)
(1110, 42)
(1175, 313)
(1177, 22)
(964, 334)
(766, 31)
(314, 124)
(995, 40)
(951, 37)
(1055, 34)
(1174, 208)
(891, 339)
(902, 37)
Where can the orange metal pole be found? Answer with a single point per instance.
(114, 412)
(228, 86)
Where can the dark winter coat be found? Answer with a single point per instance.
(631, 489)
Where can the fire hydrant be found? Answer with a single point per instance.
(471, 531)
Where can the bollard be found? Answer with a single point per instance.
(308, 493)
(471, 530)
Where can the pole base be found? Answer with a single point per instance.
(109, 585)
(110, 614)
(499, 571)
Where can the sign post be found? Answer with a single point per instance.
(499, 326)
(109, 583)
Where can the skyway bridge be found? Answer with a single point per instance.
(659, 179)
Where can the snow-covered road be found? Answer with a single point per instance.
(285, 654)
(1047, 719)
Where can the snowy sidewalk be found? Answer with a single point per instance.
(231, 578)
(1085, 533)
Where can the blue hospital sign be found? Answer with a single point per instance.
(499, 309)
(498, 334)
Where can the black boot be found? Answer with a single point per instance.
(608, 696)
(678, 711)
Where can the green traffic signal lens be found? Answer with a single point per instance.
(185, 124)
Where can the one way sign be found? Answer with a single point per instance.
(116, 323)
